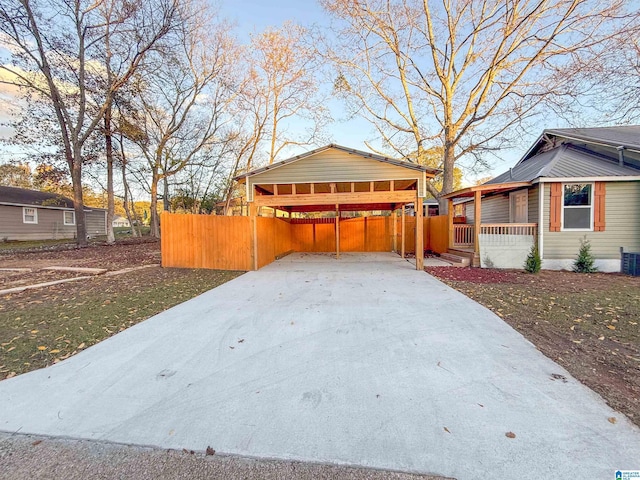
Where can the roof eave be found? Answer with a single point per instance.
(352, 151)
(486, 188)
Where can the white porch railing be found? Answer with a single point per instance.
(463, 235)
(509, 229)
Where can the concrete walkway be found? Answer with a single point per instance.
(362, 361)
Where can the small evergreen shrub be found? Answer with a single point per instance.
(585, 263)
(533, 262)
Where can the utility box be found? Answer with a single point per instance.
(630, 263)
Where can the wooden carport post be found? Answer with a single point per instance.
(419, 234)
(337, 232)
(402, 228)
(450, 222)
(394, 216)
(477, 219)
(254, 236)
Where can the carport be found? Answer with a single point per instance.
(338, 179)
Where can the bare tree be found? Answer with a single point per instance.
(185, 104)
(280, 104)
(56, 54)
(462, 74)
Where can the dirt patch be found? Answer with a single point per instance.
(127, 254)
(588, 323)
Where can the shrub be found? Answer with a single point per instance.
(585, 263)
(533, 262)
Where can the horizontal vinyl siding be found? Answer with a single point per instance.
(95, 222)
(337, 166)
(622, 217)
(495, 209)
(50, 225)
(532, 200)
(469, 211)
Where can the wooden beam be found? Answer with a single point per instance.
(392, 185)
(402, 230)
(337, 232)
(332, 186)
(254, 236)
(293, 189)
(477, 219)
(275, 189)
(450, 221)
(419, 234)
(371, 186)
(353, 187)
(313, 188)
(401, 196)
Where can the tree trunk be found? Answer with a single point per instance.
(125, 200)
(154, 221)
(448, 162)
(78, 202)
(165, 195)
(111, 238)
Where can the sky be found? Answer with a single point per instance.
(253, 16)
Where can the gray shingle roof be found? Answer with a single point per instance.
(23, 196)
(565, 161)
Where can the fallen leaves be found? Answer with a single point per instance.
(510, 435)
(612, 420)
(446, 430)
(210, 451)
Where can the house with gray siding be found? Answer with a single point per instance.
(571, 184)
(34, 215)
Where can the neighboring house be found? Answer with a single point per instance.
(572, 183)
(33, 215)
(121, 222)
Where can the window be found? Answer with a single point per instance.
(29, 215)
(577, 211)
(69, 218)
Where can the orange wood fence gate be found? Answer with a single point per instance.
(224, 243)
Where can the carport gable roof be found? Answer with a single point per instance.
(392, 161)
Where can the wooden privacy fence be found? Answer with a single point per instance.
(225, 243)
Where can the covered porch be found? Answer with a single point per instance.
(475, 239)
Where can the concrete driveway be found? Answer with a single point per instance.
(361, 361)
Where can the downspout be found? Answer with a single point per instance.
(620, 150)
(541, 221)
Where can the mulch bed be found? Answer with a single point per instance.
(588, 323)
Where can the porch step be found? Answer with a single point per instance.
(456, 260)
(473, 257)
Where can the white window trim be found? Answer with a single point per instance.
(64, 217)
(35, 215)
(591, 207)
(512, 213)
